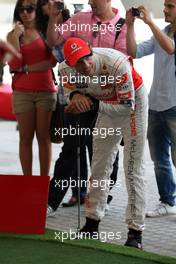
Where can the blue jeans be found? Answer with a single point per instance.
(162, 139)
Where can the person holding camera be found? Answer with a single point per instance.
(162, 100)
(42, 14)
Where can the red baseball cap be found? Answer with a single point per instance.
(75, 49)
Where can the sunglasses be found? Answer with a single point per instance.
(28, 8)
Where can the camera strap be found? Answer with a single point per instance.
(119, 24)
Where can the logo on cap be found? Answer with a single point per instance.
(74, 46)
(74, 49)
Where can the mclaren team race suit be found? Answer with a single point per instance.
(123, 113)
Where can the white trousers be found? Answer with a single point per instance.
(133, 130)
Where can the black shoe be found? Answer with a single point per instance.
(134, 239)
(73, 201)
(89, 230)
(87, 233)
(109, 199)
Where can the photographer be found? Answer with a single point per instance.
(162, 100)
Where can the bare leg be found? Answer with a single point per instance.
(42, 133)
(26, 122)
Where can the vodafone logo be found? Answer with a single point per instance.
(75, 48)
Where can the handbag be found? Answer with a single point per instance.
(57, 119)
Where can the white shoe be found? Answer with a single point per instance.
(50, 212)
(161, 210)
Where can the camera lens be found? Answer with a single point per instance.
(135, 12)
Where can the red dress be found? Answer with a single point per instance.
(39, 81)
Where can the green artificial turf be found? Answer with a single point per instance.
(45, 249)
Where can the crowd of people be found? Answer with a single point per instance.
(102, 45)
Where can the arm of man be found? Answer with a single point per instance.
(78, 104)
(76, 100)
(124, 89)
(130, 37)
(144, 48)
(165, 42)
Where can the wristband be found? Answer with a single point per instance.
(25, 69)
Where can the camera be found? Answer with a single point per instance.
(135, 12)
(60, 5)
(65, 14)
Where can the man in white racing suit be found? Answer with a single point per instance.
(108, 75)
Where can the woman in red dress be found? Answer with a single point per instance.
(34, 94)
